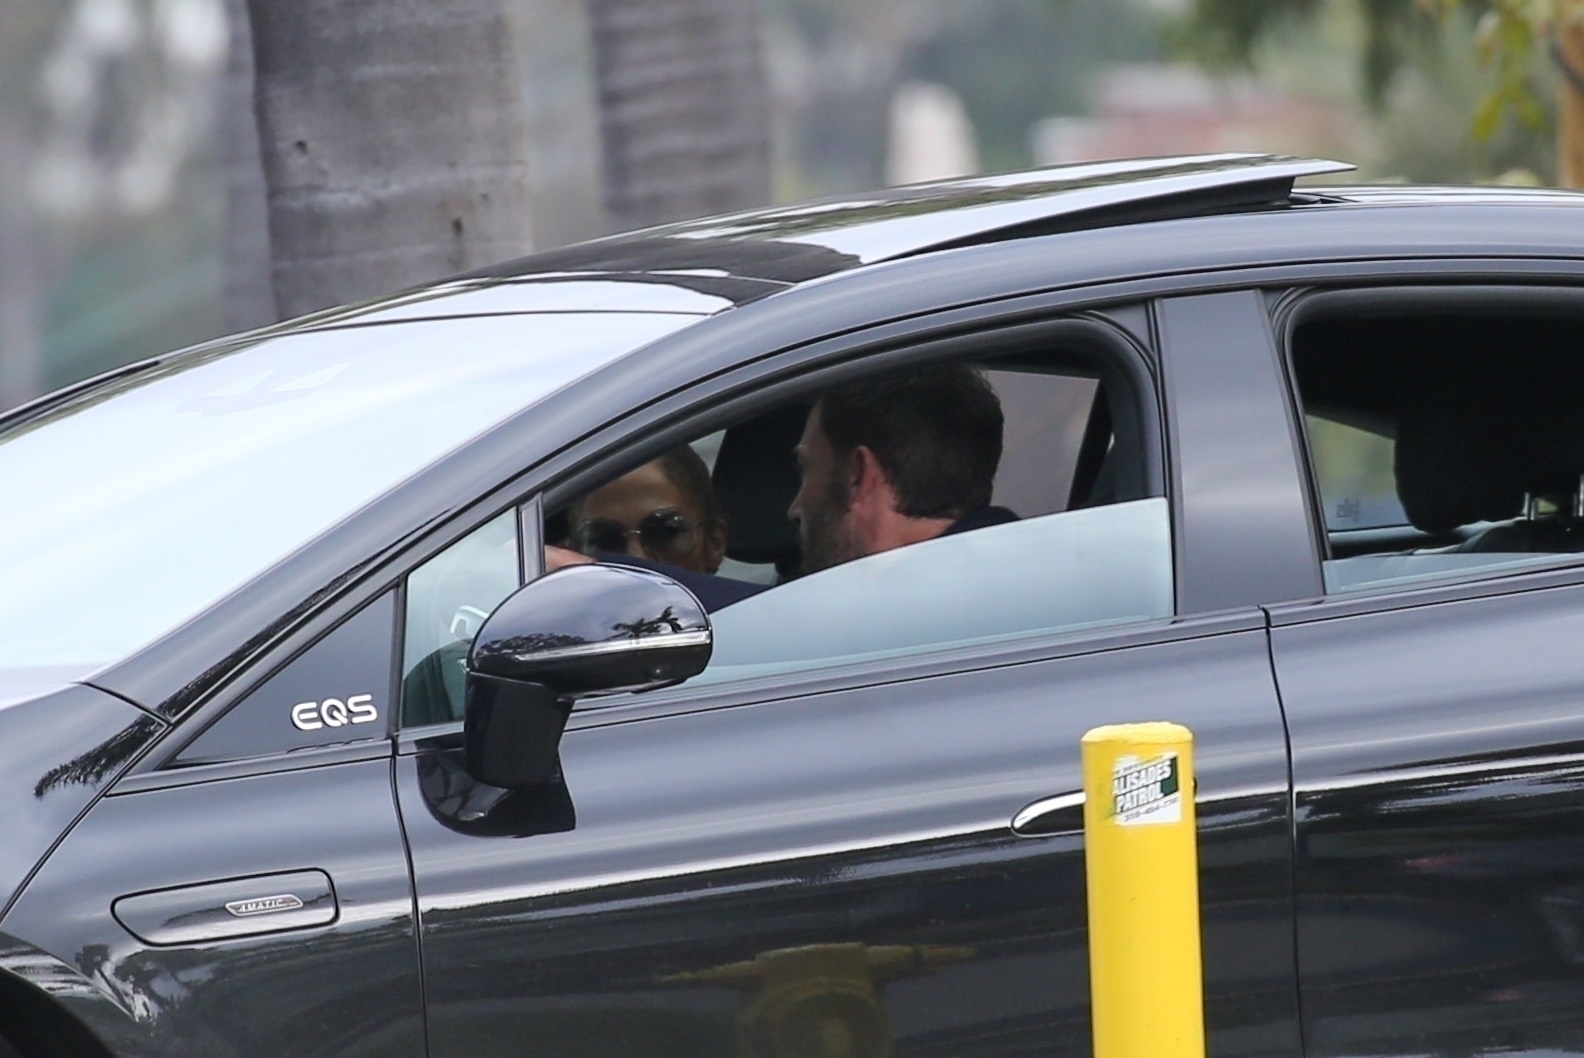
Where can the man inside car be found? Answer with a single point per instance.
(897, 460)
(884, 462)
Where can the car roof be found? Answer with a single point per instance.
(714, 263)
(781, 246)
(707, 265)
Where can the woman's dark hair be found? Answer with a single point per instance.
(936, 432)
(682, 466)
(686, 470)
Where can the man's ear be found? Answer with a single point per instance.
(867, 482)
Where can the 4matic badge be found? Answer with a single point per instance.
(333, 712)
(264, 905)
(1146, 791)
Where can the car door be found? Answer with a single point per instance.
(1435, 698)
(823, 860)
(247, 891)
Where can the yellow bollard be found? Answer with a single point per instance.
(1142, 866)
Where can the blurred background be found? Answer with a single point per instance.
(139, 213)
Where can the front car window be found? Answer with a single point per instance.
(1066, 529)
(448, 599)
(135, 506)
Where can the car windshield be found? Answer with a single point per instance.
(134, 507)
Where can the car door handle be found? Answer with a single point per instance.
(1061, 814)
(240, 907)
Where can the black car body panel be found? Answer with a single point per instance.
(59, 750)
(1436, 767)
(342, 977)
(226, 842)
(861, 839)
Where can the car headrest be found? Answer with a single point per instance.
(755, 479)
(1471, 453)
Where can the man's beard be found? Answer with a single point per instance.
(826, 532)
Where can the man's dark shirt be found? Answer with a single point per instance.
(980, 518)
(717, 592)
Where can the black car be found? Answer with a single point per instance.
(282, 765)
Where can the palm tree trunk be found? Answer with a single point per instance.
(684, 113)
(22, 270)
(249, 296)
(393, 143)
(1570, 105)
(23, 246)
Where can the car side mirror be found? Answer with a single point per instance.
(588, 629)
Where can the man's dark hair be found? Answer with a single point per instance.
(686, 470)
(936, 432)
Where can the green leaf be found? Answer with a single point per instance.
(1529, 110)
(1487, 115)
(1517, 34)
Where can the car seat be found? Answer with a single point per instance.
(755, 479)
(1494, 449)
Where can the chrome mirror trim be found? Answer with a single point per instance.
(700, 638)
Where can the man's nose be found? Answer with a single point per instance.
(632, 544)
(795, 511)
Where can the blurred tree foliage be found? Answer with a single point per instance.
(1519, 44)
(1226, 33)
(1012, 62)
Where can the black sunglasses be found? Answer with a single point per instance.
(665, 534)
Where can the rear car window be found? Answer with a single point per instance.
(1353, 471)
(1444, 438)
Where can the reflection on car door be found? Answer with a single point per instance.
(265, 915)
(251, 895)
(1440, 799)
(830, 869)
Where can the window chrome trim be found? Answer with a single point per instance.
(530, 540)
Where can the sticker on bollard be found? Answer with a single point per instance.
(1146, 791)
